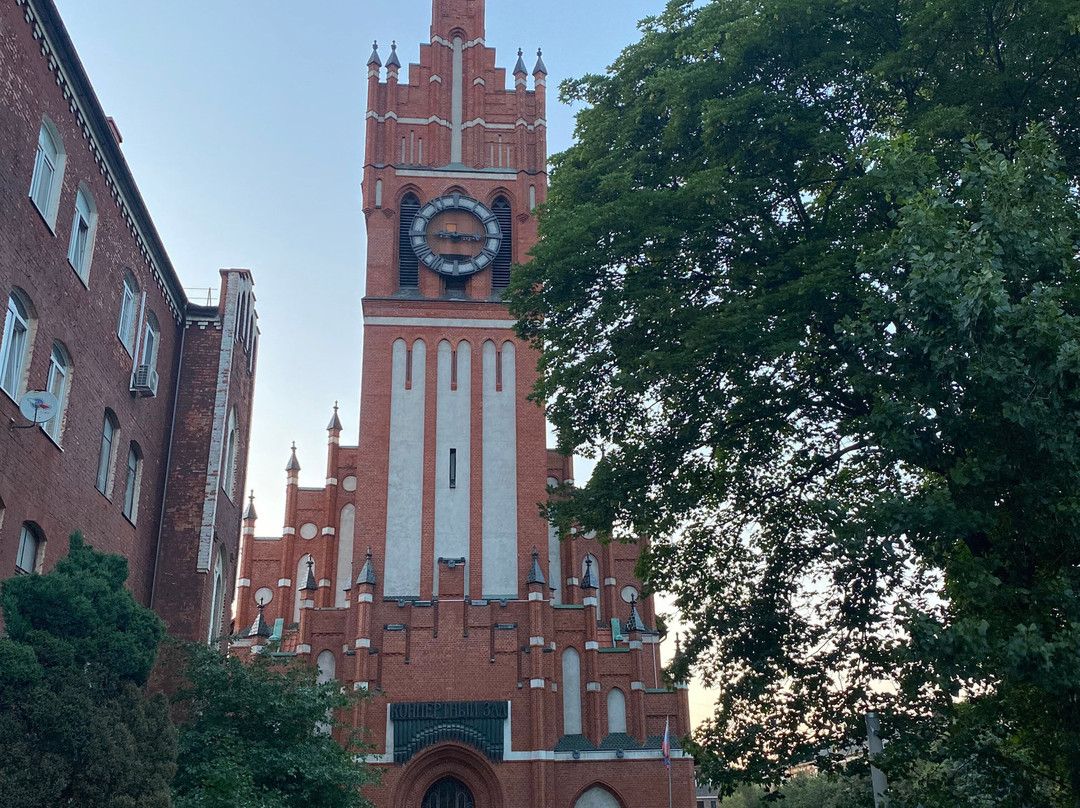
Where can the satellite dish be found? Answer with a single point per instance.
(39, 406)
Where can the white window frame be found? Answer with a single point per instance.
(85, 223)
(125, 329)
(48, 174)
(228, 456)
(31, 550)
(148, 351)
(15, 346)
(217, 602)
(132, 482)
(110, 431)
(58, 384)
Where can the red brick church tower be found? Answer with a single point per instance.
(507, 668)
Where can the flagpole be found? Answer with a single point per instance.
(669, 787)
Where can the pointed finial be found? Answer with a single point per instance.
(520, 66)
(541, 68)
(293, 464)
(587, 579)
(374, 58)
(259, 627)
(536, 575)
(393, 60)
(678, 644)
(335, 422)
(310, 585)
(367, 572)
(249, 511)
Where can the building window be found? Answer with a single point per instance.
(131, 482)
(81, 246)
(217, 602)
(59, 382)
(229, 456)
(149, 349)
(126, 329)
(48, 172)
(408, 263)
(500, 267)
(14, 349)
(31, 549)
(109, 430)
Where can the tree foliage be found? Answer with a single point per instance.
(256, 734)
(807, 286)
(76, 726)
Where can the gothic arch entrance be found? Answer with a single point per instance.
(448, 775)
(448, 792)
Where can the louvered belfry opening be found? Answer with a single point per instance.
(408, 263)
(500, 267)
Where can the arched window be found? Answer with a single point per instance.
(408, 263)
(126, 328)
(48, 172)
(616, 711)
(571, 692)
(229, 456)
(110, 431)
(59, 382)
(500, 267)
(132, 477)
(449, 792)
(31, 549)
(597, 797)
(327, 665)
(83, 227)
(217, 601)
(15, 347)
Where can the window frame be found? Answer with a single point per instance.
(30, 531)
(15, 349)
(110, 431)
(127, 327)
(132, 482)
(47, 202)
(151, 339)
(60, 365)
(229, 455)
(85, 213)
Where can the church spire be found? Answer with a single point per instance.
(450, 16)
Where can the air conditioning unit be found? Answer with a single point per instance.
(144, 382)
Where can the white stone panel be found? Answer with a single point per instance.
(453, 431)
(616, 711)
(346, 531)
(571, 692)
(499, 574)
(405, 486)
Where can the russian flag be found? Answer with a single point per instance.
(667, 742)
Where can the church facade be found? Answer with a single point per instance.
(505, 667)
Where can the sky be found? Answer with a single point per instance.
(243, 124)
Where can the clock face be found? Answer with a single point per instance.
(455, 235)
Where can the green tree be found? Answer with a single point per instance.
(256, 734)
(76, 726)
(826, 351)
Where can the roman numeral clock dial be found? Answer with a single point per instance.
(455, 235)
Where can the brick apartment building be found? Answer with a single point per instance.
(147, 452)
(507, 668)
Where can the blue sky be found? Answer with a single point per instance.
(243, 124)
